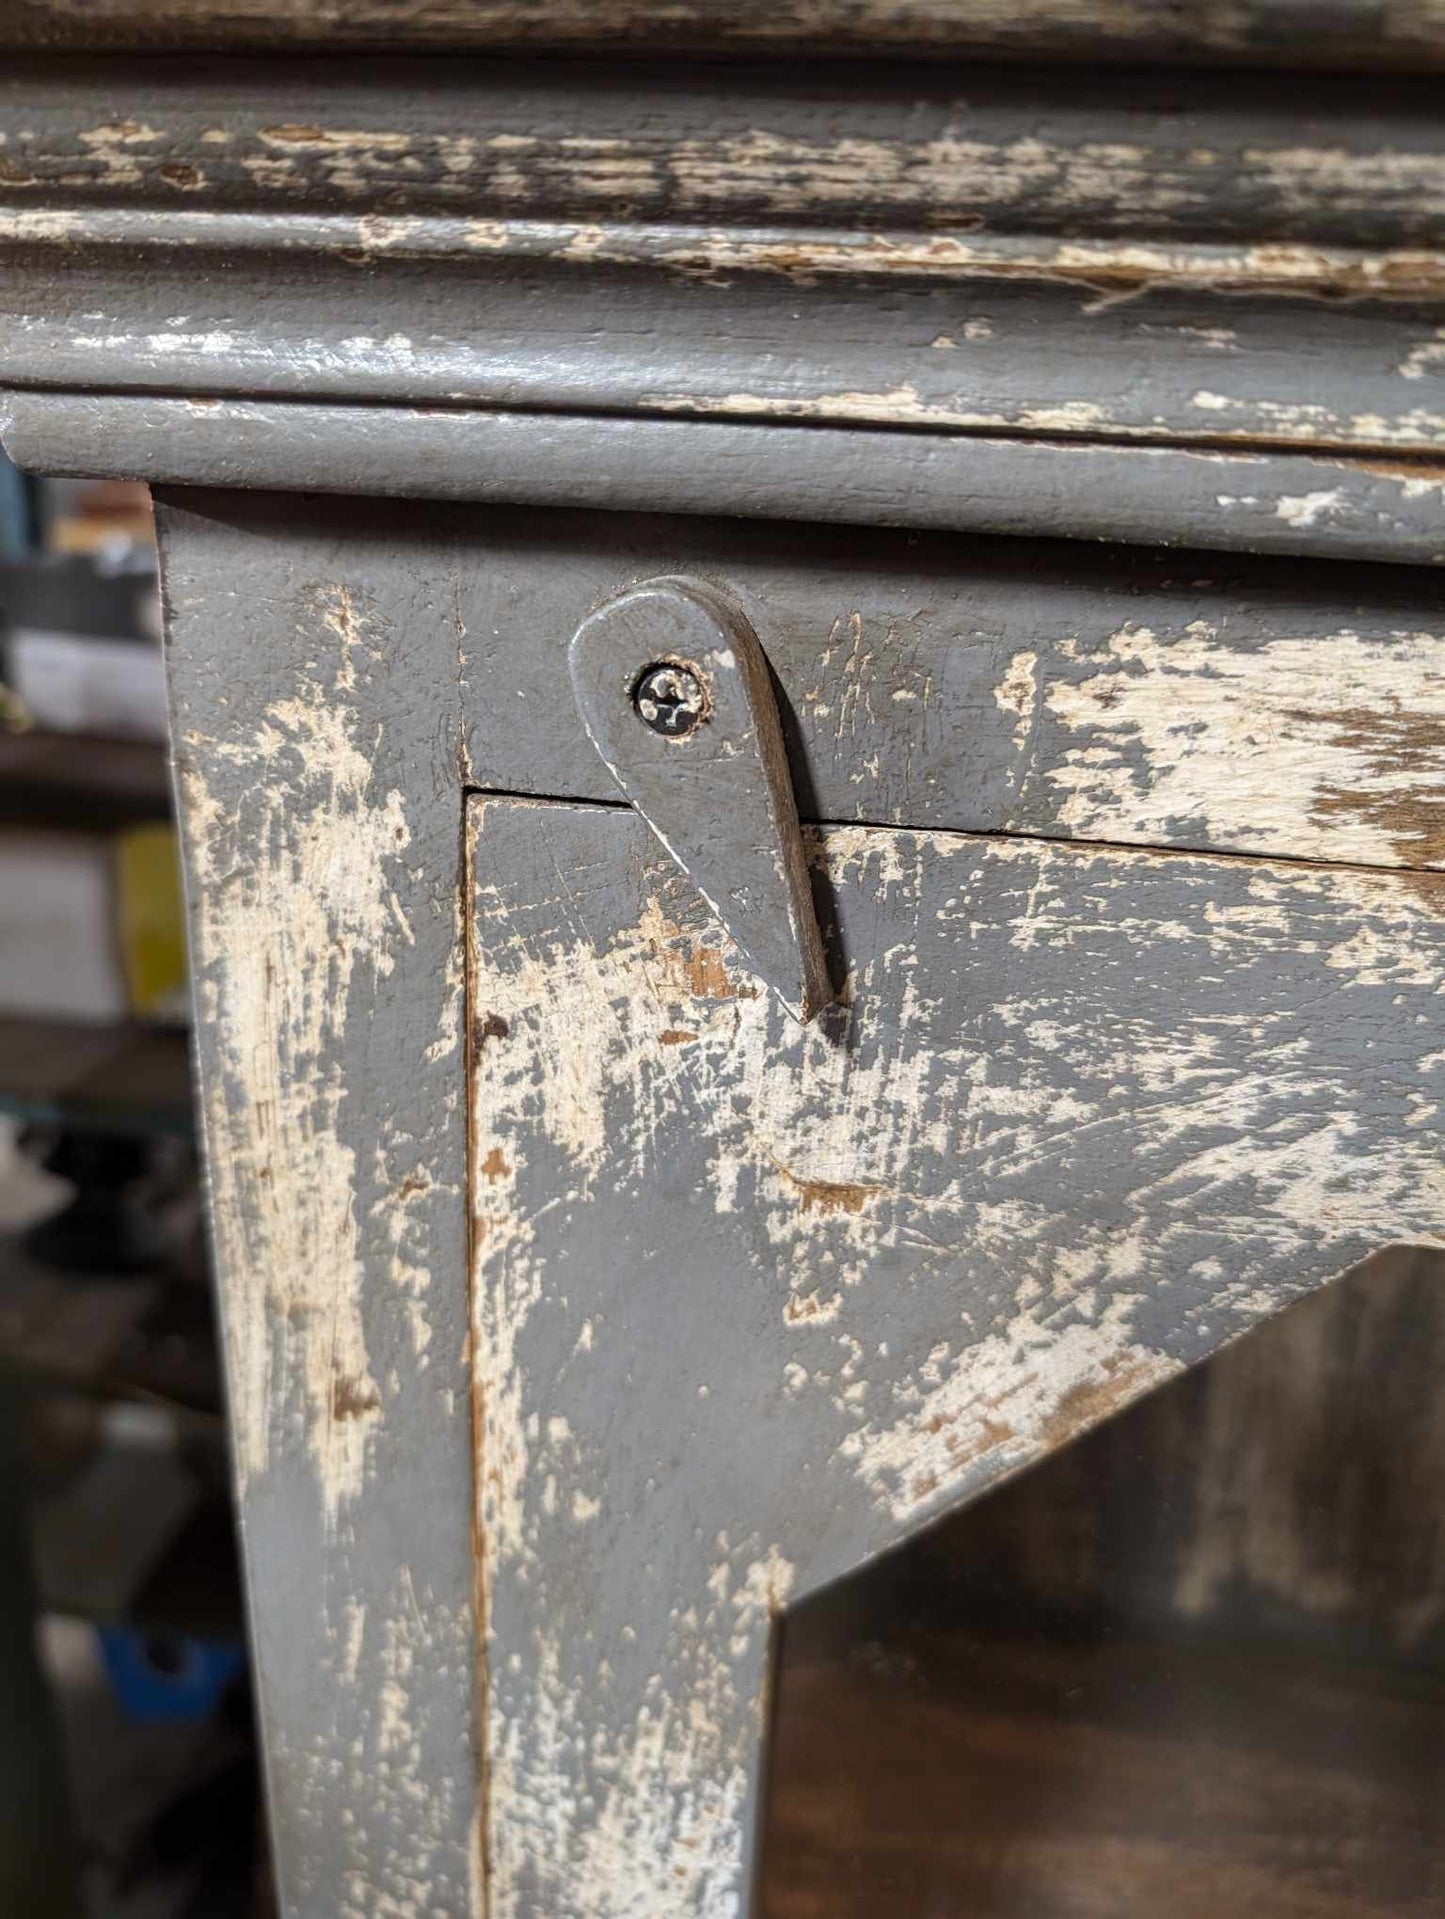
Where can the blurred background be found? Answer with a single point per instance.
(1194, 1663)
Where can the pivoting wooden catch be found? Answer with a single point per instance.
(674, 690)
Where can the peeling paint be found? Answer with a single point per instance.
(1326, 746)
(281, 936)
(1080, 1116)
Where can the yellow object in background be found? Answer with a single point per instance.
(150, 918)
(91, 923)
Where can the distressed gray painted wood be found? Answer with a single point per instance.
(1229, 1503)
(1232, 501)
(1155, 261)
(340, 675)
(988, 686)
(316, 766)
(755, 1302)
(1201, 157)
(1001, 686)
(1347, 33)
(897, 330)
(750, 1304)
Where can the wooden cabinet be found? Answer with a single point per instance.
(1069, 443)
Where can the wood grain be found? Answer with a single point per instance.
(1158, 262)
(1185, 157)
(1020, 1776)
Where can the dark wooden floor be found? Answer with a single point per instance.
(992, 1776)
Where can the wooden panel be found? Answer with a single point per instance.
(1008, 1775)
(1292, 1489)
(985, 686)
(753, 1302)
(243, 311)
(1190, 1660)
(1157, 496)
(316, 771)
(1347, 33)
(1121, 697)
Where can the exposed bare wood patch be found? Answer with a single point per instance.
(1173, 732)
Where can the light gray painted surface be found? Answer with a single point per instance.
(1109, 1105)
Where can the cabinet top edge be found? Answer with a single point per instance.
(1131, 495)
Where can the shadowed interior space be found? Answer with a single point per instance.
(1194, 1664)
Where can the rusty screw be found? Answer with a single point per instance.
(670, 699)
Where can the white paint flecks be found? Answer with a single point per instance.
(1001, 1402)
(1325, 746)
(283, 932)
(911, 1164)
(643, 1819)
(1018, 693)
(1306, 509)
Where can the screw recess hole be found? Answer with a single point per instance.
(670, 698)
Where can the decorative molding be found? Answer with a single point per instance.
(1169, 496)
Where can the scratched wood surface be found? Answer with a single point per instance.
(993, 686)
(1291, 1490)
(1156, 260)
(753, 1303)
(316, 779)
(1347, 33)
(394, 654)
(1198, 157)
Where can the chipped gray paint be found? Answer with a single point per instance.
(1231, 500)
(1031, 256)
(999, 994)
(755, 1302)
(316, 776)
(1205, 157)
(750, 1305)
(1269, 345)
